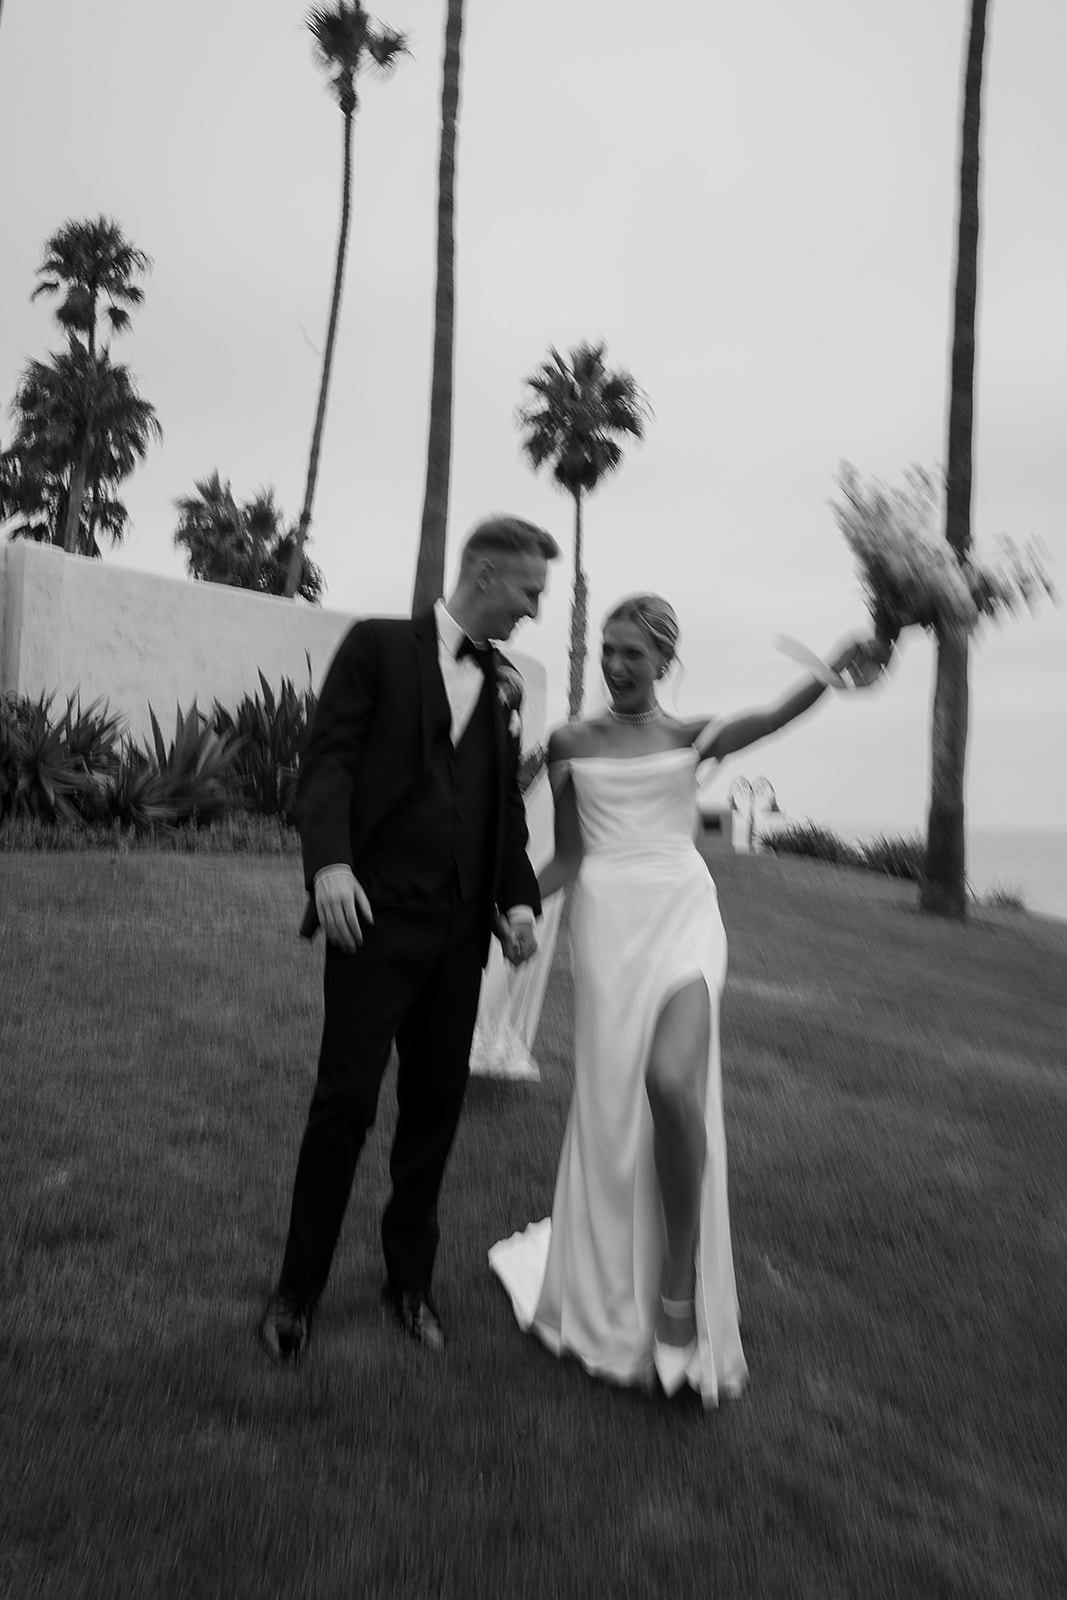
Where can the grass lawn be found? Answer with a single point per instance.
(896, 1091)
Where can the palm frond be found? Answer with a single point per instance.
(339, 32)
(577, 413)
(86, 262)
(346, 42)
(386, 46)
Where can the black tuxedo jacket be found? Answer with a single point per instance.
(369, 746)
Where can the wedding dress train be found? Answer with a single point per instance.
(644, 923)
(509, 1007)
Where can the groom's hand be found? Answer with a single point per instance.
(522, 938)
(502, 929)
(340, 903)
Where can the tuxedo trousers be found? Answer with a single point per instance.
(414, 981)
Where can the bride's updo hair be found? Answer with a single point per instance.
(656, 616)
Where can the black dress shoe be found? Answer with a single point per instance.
(285, 1328)
(417, 1315)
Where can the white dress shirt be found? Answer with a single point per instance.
(463, 679)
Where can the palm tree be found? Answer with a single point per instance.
(246, 546)
(85, 262)
(430, 567)
(80, 429)
(574, 421)
(944, 889)
(346, 42)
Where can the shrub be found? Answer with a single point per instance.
(135, 796)
(82, 768)
(808, 839)
(197, 780)
(39, 774)
(270, 733)
(94, 739)
(1005, 897)
(903, 857)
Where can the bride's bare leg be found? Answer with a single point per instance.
(676, 1083)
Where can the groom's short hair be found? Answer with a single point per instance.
(499, 535)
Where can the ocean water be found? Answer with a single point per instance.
(1030, 862)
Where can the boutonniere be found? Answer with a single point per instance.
(509, 685)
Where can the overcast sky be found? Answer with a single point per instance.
(753, 205)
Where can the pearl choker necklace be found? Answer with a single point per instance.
(637, 718)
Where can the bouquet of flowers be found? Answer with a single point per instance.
(911, 575)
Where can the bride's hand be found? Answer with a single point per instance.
(862, 662)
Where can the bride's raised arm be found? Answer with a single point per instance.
(567, 857)
(725, 735)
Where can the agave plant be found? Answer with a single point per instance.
(133, 796)
(93, 738)
(198, 782)
(94, 735)
(270, 731)
(39, 777)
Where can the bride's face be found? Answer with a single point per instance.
(631, 663)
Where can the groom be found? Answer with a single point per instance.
(414, 842)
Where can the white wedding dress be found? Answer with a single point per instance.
(644, 922)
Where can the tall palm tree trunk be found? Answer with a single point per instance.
(79, 475)
(93, 518)
(579, 615)
(430, 566)
(296, 559)
(76, 496)
(944, 891)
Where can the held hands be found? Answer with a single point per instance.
(518, 938)
(340, 903)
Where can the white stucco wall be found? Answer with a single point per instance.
(68, 624)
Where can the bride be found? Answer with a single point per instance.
(633, 1273)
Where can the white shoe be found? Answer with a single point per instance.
(675, 1364)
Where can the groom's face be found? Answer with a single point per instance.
(511, 589)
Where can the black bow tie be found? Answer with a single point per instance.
(481, 653)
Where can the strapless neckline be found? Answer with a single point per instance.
(621, 761)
